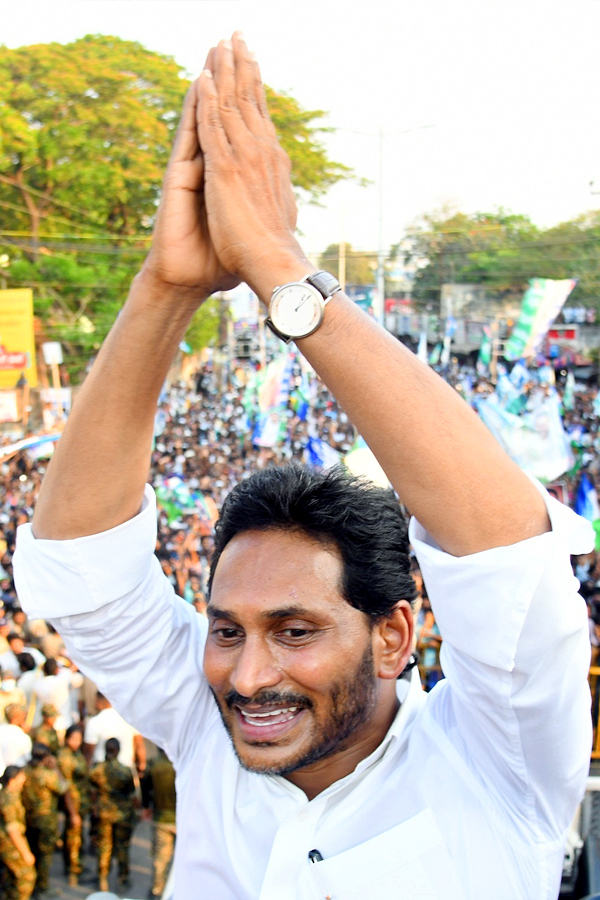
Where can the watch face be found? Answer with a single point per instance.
(296, 309)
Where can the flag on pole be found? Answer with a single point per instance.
(485, 348)
(434, 356)
(535, 438)
(321, 455)
(422, 348)
(569, 392)
(542, 302)
(586, 499)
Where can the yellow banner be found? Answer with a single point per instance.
(17, 345)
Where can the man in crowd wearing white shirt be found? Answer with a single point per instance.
(55, 688)
(107, 723)
(305, 766)
(9, 660)
(15, 745)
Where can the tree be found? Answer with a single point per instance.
(360, 266)
(502, 251)
(453, 247)
(85, 133)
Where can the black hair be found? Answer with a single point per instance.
(112, 748)
(72, 729)
(50, 667)
(26, 661)
(362, 521)
(9, 773)
(39, 752)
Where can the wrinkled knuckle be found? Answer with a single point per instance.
(246, 96)
(228, 105)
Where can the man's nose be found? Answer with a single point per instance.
(255, 668)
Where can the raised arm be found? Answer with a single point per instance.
(446, 466)
(97, 475)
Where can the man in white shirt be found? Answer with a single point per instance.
(107, 723)
(55, 688)
(9, 660)
(15, 745)
(306, 767)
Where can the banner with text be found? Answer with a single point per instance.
(17, 346)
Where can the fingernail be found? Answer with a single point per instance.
(207, 73)
(239, 35)
(228, 45)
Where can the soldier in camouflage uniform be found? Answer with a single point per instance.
(116, 802)
(46, 732)
(15, 852)
(74, 769)
(158, 793)
(44, 785)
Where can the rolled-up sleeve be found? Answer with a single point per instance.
(122, 623)
(516, 656)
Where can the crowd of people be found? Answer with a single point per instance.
(75, 775)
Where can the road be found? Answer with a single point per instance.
(141, 869)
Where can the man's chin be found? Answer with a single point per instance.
(264, 762)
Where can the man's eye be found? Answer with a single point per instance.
(296, 634)
(226, 634)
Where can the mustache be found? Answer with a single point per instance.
(265, 698)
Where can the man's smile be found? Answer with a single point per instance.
(267, 725)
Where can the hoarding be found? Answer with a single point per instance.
(17, 346)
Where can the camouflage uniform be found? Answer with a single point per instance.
(20, 877)
(74, 769)
(47, 735)
(41, 792)
(159, 790)
(116, 814)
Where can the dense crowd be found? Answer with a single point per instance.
(75, 773)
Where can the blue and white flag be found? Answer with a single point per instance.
(586, 500)
(320, 455)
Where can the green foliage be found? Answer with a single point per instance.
(85, 133)
(204, 327)
(312, 170)
(501, 251)
(360, 266)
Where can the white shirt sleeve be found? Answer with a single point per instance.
(122, 624)
(516, 655)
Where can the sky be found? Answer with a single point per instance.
(482, 104)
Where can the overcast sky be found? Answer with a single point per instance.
(511, 90)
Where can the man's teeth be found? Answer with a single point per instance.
(273, 717)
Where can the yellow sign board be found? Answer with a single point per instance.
(17, 345)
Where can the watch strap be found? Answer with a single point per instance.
(326, 284)
(282, 337)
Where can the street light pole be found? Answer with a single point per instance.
(380, 304)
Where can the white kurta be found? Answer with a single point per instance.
(468, 796)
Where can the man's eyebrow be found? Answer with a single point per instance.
(217, 613)
(287, 612)
(284, 612)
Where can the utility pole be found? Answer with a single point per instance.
(342, 265)
(380, 304)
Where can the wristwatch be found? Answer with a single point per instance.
(296, 309)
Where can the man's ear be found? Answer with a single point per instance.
(393, 641)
